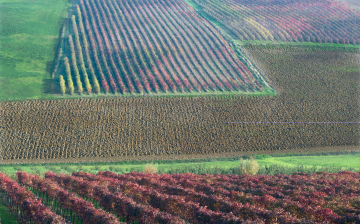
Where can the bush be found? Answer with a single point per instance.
(47, 167)
(62, 85)
(80, 167)
(119, 170)
(18, 168)
(250, 167)
(111, 168)
(262, 156)
(150, 168)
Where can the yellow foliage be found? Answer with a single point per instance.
(68, 74)
(250, 167)
(62, 84)
(262, 30)
(150, 168)
(96, 85)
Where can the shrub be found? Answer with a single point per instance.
(47, 167)
(80, 167)
(62, 85)
(150, 168)
(111, 168)
(119, 170)
(17, 168)
(96, 85)
(68, 75)
(250, 167)
(262, 156)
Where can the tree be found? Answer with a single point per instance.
(62, 85)
(68, 75)
(73, 59)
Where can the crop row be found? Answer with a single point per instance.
(316, 21)
(83, 209)
(148, 198)
(150, 46)
(165, 198)
(320, 197)
(25, 203)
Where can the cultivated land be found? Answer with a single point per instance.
(29, 39)
(317, 85)
(320, 21)
(353, 3)
(148, 47)
(176, 83)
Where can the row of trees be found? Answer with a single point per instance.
(218, 191)
(315, 21)
(174, 198)
(214, 199)
(117, 203)
(225, 197)
(145, 45)
(78, 206)
(25, 204)
(175, 208)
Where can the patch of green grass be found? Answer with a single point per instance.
(29, 37)
(343, 161)
(346, 69)
(276, 163)
(6, 216)
(309, 46)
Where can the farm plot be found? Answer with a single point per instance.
(320, 21)
(148, 46)
(186, 198)
(315, 86)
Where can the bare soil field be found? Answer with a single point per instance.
(314, 85)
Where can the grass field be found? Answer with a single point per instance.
(29, 40)
(6, 216)
(214, 165)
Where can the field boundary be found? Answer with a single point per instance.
(144, 159)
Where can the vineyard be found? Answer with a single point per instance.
(319, 21)
(108, 197)
(148, 46)
(321, 86)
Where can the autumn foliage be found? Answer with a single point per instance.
(152, 46)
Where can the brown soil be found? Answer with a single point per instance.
(315, 85)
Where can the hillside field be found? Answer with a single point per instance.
(318, 21)
(29, 37)
(179, 111)
(137, 47)
(316, 85)
(108, 197)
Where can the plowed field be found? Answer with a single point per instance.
(314, 85)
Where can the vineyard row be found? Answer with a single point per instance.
(149, 46)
